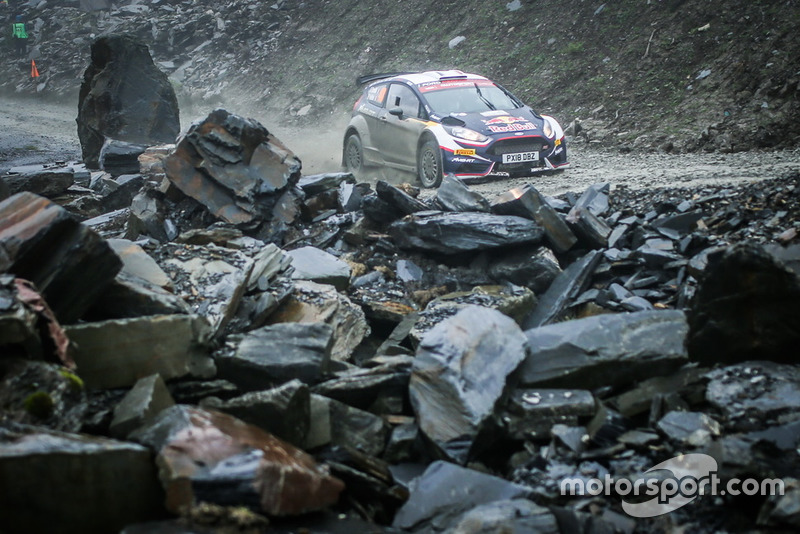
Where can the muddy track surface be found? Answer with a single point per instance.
(34, 132)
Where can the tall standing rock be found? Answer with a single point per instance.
(124, 97)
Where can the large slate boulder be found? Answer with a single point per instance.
(235, 168)
(459, 375)
(605, 350)
(124, 97)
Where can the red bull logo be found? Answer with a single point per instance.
(504, 119)
(508, 123)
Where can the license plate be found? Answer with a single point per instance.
(520, 157)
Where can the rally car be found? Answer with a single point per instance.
(441, 122)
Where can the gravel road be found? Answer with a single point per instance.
(34, 132)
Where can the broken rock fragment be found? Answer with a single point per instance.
(211, 279)
(534, 268)
(445, 491)
(351, 427)
(689, 428)
(512, 515)
(205, 455)
(48, 182)
(321, 303)
(454, 195)
(513, 301)
(42, 394)
(527, 202)
(751, 394)
(460, 372)
(38, 473)
(451, 233)
(68, 262)
(283, 411)
(275, 354)
(531, 413)
(118, 157)
(398, 199)
(140, 405)
(591, 229)
(311, 263)
(370, 387)
(28, 328)
(118, 352)
(234, 167)
(563, 290)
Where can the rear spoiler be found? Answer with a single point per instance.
(361, 80)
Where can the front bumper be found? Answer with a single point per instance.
(488, 163)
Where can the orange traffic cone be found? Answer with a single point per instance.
(34, 70)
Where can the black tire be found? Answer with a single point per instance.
(429, 163)
(353, 156)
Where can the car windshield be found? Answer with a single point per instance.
(469, 99)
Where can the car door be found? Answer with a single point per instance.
(371, 110)
(400, 125)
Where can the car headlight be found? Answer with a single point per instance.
(548, 129)
(467, 134)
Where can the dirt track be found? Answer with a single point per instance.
(34, 132)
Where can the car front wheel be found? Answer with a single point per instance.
(353, 155)
(429, 163)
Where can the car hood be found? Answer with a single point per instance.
(498, 122)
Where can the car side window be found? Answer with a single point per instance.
(403, 97)
(377, 94)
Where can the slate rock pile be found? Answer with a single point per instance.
(239, 345)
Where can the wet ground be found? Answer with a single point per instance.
(33, 131)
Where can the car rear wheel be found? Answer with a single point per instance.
(354, 155)
(429, 163)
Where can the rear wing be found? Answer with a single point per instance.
(361, 80)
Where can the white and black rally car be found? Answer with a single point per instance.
(441, 122)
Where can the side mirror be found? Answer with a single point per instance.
(397, 112)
